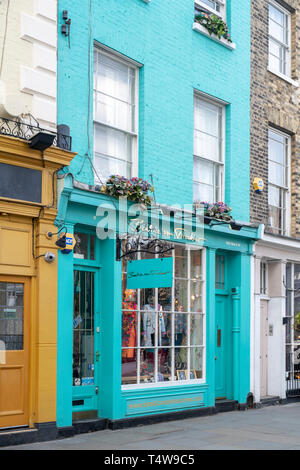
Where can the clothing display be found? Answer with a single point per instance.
(149, 322)
(129, 329)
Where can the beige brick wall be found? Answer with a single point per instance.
(274, 102)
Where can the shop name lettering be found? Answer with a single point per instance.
(172, 401)
(153, 272)
(178, 234)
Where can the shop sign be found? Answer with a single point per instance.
(150, 273)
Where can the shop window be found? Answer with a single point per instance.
(279, 39)
(83, 329)
(163, 329)
(115, 116)
(85, 246)
(279, 187)
(208, 150)
(292, 283)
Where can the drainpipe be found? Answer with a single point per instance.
(236, 328)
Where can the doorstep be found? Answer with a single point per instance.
(269, 401)
(226, 405)
(20, 436)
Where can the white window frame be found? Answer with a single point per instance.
(286, 47)
(169, 383)
(221, 163)
(286, 189)
(135, 141)
(222, 3)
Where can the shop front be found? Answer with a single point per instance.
(28, 284)
(276, 325)
(133, 345)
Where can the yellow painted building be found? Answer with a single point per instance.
(28, 283)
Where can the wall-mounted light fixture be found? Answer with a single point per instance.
(41, 141)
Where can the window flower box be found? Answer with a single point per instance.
(135, 189)
(215, 28)
(215, 211)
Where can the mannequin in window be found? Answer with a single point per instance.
(149, 323)
(129, 307)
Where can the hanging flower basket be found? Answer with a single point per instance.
(214, 25)
(135, 189)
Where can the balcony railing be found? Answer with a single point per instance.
(26, 131)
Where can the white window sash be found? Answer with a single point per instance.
(133, 161)
(221, 13)
(218, 161)
(283, 46)
(172, 346)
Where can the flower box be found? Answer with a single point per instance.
(202, 30)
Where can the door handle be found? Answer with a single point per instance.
(97, 356)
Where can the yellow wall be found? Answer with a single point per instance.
(23, 238)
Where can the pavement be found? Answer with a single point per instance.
(268, 428)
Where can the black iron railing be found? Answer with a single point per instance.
(293, 384)
(26, 131)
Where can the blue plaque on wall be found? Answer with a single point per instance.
(150, 273)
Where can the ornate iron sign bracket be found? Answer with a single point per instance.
(127, 247)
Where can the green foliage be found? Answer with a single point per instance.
(214, 25)
(135, 189)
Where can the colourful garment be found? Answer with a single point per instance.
(129, 329)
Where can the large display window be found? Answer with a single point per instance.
(163, 329)
(292, 327)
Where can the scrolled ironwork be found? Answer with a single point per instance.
(130, 245)
(26, 131)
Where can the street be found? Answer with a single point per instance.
(268, 428)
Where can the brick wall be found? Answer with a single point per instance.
(274, 102)
(176, 60)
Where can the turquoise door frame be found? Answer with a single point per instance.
(223, 328)
(90, 394)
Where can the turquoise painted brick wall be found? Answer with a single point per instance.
(176, 60)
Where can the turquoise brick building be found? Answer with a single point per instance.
(148, 92)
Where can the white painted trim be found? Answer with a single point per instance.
(284, 77)
(146, 386)
(114, 55)
(222, 167)
(279, 7)
(221, 14)
(202, 30)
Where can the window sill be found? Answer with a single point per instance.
(284, 77)
(145, 386)
(202, 30)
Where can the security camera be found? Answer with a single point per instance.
(49, 257)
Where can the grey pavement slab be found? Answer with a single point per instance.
(269, 428)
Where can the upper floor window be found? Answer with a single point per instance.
(279, 39)
(208, 150)
(115, 116)
(217, 7)
(279, 145)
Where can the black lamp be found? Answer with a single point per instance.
(41, 141)
(61, 242)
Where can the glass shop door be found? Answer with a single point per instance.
(86, 356)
